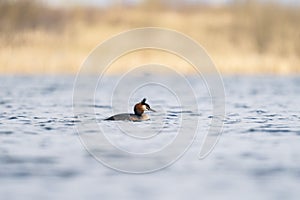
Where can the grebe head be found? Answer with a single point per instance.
(139, 108)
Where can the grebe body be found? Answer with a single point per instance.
(138, 115)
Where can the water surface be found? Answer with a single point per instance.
(257, 157)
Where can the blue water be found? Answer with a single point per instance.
(257, 156)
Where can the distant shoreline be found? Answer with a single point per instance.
(241, 38)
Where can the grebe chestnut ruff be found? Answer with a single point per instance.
(138, 115)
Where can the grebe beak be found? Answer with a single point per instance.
(150, 109)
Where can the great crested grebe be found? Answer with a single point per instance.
(138, 115)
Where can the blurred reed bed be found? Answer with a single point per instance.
(242, 37)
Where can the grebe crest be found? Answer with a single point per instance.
(138, 115)
(139, 108)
